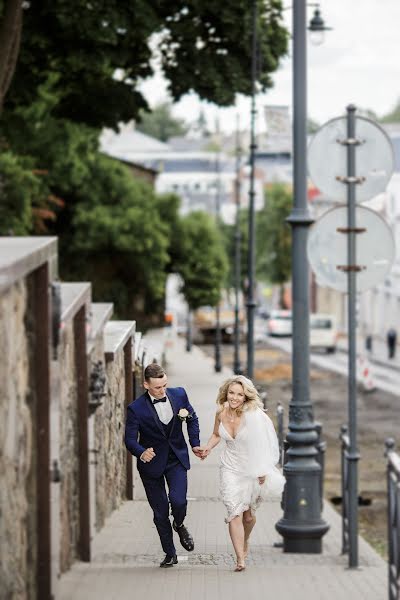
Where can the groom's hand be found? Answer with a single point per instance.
(198, 451)
(147, 455)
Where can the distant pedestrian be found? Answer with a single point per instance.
(391, 342)
(368, 344)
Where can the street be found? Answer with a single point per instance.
(386, 378)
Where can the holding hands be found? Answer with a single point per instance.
(201, 453)
(205, 452)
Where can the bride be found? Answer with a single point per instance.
(247, 465)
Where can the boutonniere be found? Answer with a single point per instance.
(183, 414)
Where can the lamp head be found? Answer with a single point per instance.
(317, 28)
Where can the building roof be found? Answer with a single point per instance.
(128, 143)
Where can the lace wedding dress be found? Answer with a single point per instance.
(251, 453)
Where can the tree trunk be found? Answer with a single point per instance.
(10, 39)
(282, 295)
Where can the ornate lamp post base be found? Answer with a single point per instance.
(302, 537)
(301, 526)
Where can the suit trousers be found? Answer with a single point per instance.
(175, 475)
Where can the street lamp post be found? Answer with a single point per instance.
(353, 454)
(251, 303)
(236, 358)
(301, 526)
(217, 363)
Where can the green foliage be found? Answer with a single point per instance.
(274, 236)
(229, 234)
(104, 50)
(78, 70)
(312, 125)
(202, 261)
(118, 222)
(160, 123)
(20, 191)
(392, 116)
(206, 47)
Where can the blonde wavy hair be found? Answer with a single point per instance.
(252, 398)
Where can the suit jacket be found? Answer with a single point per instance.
(144, 430)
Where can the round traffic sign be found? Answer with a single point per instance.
(327, 159)
(327, 248)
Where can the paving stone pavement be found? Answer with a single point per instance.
(126, 552)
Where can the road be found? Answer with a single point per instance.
(383, 378)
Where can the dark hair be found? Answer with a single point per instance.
(153, 371)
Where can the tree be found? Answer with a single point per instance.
(274, 236)
(312, 125)
(160, 123)
(392, 116)
(119, 239)
(201, 260)
(103, 50)
(229, 233)
(20, 190)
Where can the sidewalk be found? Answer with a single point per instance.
(126, 553)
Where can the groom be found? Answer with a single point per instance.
(153, 434)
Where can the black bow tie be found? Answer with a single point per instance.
(159, 400)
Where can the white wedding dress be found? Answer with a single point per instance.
(251, 453)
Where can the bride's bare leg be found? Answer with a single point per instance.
(249, 521)
(236, 531)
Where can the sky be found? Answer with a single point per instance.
(359, 63)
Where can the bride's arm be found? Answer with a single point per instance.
(214, 439)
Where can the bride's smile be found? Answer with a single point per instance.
(235, 396)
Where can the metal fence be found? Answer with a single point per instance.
(345, 487)
(281, 436)
(320, 458)
(393, 484)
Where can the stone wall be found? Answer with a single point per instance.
(17, 447)
(68, 450)
(109, 440)
(35, 389)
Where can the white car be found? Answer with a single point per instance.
(323, 332)
(280, 323)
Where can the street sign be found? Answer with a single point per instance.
(327, 248)
(327, 159)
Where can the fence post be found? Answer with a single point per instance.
(279, 417)
(393, 476)
(321, 447)
(344, 446)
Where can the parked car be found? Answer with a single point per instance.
(280, 323)
(323, 332)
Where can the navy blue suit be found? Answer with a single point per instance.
(171, 462)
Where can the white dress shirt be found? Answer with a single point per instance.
(163, 409)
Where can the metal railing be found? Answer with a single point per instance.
(393, 490)
(320, 458)
(345, 487)
(281, 436)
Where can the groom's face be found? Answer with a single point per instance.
(156, 386)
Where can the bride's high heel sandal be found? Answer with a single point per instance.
(240, 567)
